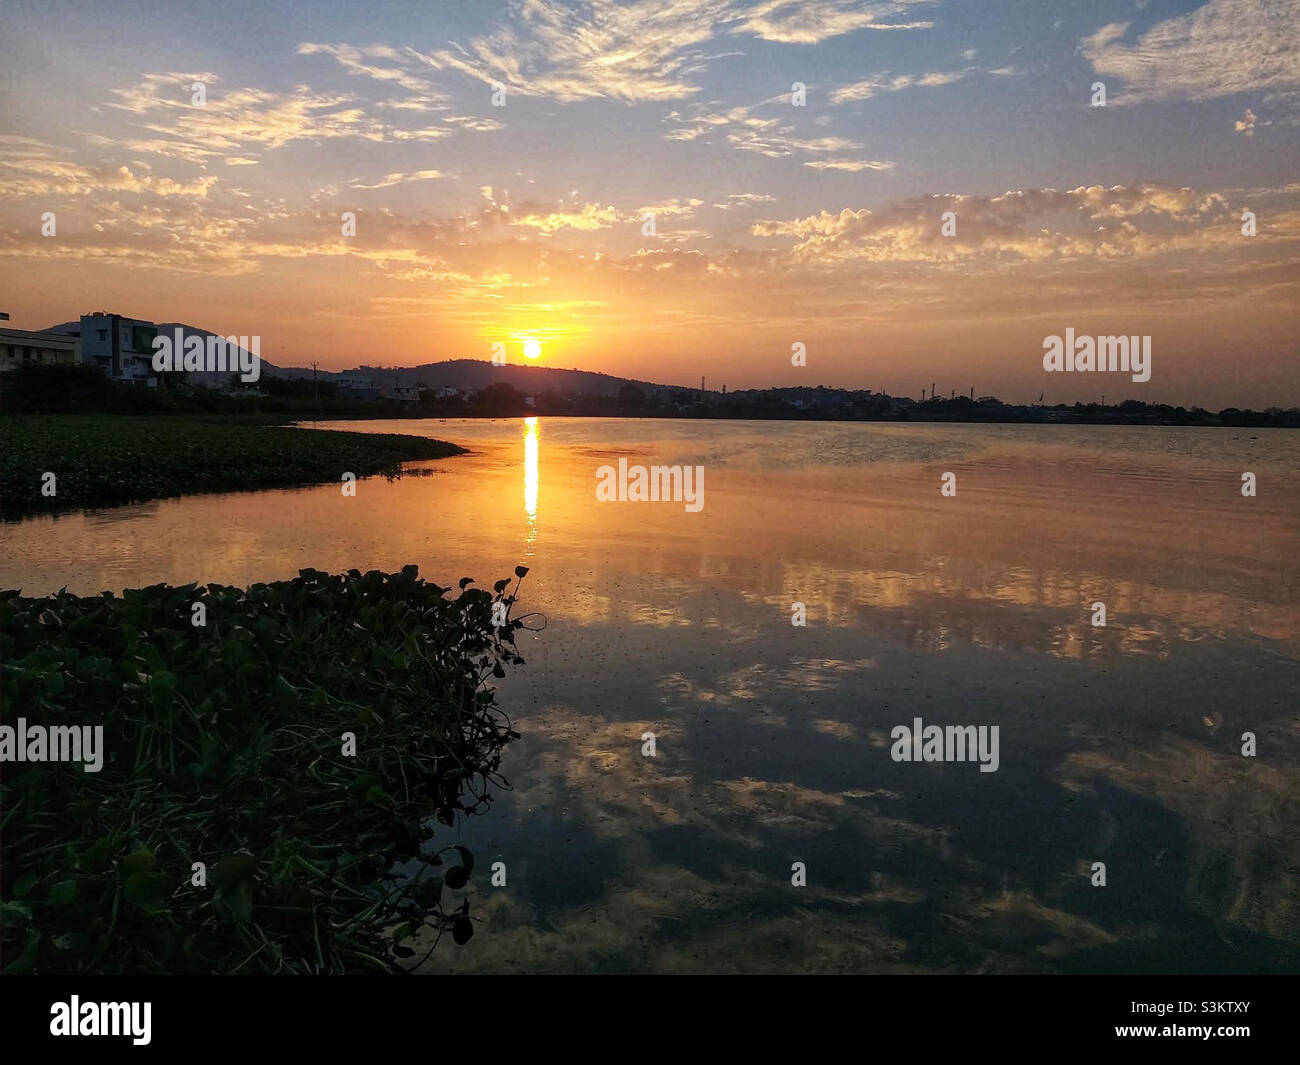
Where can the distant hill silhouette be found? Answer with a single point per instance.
(471, 374)
(476, 374)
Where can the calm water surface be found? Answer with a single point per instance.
(1118, 744)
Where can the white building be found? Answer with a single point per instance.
(121, 347)
(402, 393)
(22, 347)
(361, 385)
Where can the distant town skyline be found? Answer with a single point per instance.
(913, 190)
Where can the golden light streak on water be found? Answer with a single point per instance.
(531, 480)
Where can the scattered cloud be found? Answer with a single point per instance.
(645, 50)
(234, 120)
(671, 208)
(780, 142)
(638, 51)
(1222, 48)
(1025, 225)
(744, 199)
(237, 123)
(813, 21)
(587, 217)
(29, 168)
(774, 138)
(360, 61)
(389, 180)
(852, 165)
(886, 82)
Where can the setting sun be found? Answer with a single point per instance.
(532, 348)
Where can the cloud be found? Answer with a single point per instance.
(643, 50)
(872, 86)
(1088, 248)
(886, 82)
(587, 217)
(780, 142)
(744, 199)
(670, 208)
(852, 165)
(399, 178)
(699, 120)
(813, 21)
(1222, 48)
(428, 133)
(1246, 124)
(682, 236)
(474, 123)
(30, 168)
(235, 120)
(240, 122)
(356, 61)
(775, 138)
(1025, 225)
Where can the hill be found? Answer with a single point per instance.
(470, 374)
(474, 374)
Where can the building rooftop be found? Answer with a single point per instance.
(40, 334)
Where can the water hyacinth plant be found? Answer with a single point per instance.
(225, 745)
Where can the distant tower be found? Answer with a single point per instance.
(701, 386)
(972, 391)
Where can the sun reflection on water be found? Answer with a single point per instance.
(530, 478)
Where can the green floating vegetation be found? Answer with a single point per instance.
(224, 744)
(108, 460)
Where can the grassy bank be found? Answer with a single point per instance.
(107, 460)
(226, 744)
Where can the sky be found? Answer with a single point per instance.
(798, 159)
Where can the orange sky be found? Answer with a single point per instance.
(777, 219)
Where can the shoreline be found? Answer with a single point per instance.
(60, 463)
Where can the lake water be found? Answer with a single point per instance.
(1119, 744)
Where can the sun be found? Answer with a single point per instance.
(532, 348)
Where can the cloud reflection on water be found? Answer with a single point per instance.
(773, 740)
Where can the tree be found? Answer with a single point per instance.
(631, 398)
(499, 400)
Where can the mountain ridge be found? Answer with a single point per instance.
(446, 373)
